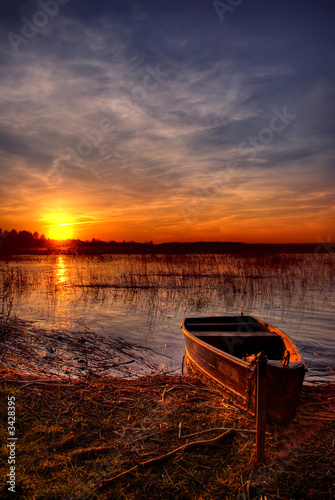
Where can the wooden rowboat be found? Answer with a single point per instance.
(223, 350)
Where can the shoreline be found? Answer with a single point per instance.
(81, 433)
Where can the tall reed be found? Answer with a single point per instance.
(192, 282)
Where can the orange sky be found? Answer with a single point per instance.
(245, 206)
(163, 121)
(223, 216)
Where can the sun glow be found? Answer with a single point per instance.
(60, 232)
(60, 227)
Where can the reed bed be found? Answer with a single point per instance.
(192, 281)
(172, 271)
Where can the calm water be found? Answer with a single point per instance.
(144, 298)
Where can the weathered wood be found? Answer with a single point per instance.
(188, 446)
(261, 408)
(223, 351)
(194, 444)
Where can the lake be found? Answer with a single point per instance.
(143, 298)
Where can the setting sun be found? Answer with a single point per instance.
(60, 232)
(59, 226)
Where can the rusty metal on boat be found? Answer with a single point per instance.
(224, 349)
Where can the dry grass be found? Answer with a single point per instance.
(75, 438)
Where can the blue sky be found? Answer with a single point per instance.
(163, 121)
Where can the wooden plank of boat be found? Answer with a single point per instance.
(223, 350)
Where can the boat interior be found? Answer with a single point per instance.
(239, 336)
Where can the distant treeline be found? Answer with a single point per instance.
(24, 242)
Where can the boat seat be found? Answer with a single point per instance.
(225, 327)
(219, 333)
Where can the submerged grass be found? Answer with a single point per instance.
(192, 281)
(86, 439)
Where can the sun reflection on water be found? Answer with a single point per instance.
(61, 272)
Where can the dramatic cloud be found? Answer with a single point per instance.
(168, 120)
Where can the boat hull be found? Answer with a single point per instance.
(215, 348)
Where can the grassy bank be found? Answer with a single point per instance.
(91, 439)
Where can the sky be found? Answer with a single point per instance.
(168, 120)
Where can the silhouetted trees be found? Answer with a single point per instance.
(13, 242)
(22, 241)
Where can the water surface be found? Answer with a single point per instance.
(143, 298)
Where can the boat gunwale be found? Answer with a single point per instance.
(212, 378)
(221, 353)
(285, 338)
(288, 342)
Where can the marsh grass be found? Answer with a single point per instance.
(193, 280)
(15, 282)
(77, 440)
(161, 285)
(158, 285)
(223, 274)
